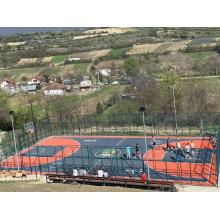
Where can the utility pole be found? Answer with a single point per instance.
(15, 144)
(81, 110)
(142, 109)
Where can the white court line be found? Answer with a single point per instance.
(115, 145)
(118, 144)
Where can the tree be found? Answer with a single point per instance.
(24, 79)
(211, 66)
(170, 79)
(130, 66)
(147, 91)
(4, 116)
(197, 97)
(99, 108)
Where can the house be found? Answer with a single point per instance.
(105, 72)
(127, 96)
(7, 82)
(28, 88)
(85, 84)
(54, 89)
(8, 86)
(36, 80)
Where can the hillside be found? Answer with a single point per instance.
(117, 61)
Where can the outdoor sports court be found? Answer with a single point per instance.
(58, 154)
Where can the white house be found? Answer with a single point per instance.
(6, 82)
(74, 59)
(37, 80)
(105, 72)
(8, 86)
(54, 89)
(85, 84)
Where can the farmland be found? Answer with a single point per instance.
(158, 47)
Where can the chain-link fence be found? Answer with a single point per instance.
(204, 167)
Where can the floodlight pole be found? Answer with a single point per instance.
(146, 147)
(32, 116)
(81, 109)
(15, 144)
(174, 106)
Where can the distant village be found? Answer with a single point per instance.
(56, 85)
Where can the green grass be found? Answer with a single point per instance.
(17, 74)
(39, 186)
(199, 57)
(106, 90)
(81, 67)
(58, 58)
(118, 52)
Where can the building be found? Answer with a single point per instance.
(85, 84)
(36, 80)
(7, 82)
(105, 72)
(54, 88)
(8, 86)
(28, 88)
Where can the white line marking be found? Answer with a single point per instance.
(120, 142)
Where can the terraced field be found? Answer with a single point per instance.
(158, 47)
(110, 30)
(143, 48)
(92, 55)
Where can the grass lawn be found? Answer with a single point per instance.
(118, 52)
(81, 67)
(17, 74)
(36, 186)
(58, 58)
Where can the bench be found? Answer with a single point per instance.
(112, 181)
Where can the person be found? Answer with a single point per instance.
(105, 174)
(138, 154)
(75, 172)
(137, 151)
(178, 145)
(100, 173)
(154, 142)
(179, 154)
(192, 146)
(143, 177)
(128, 152)
(83, 172)
(168, 148)
(137, 148)
(188, 151)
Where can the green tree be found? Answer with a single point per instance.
(131, 66)
(99, 108)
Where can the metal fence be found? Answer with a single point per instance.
(116, 164)
(115, 161)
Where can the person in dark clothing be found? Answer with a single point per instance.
(154, 142)
(169, 147)
(179, 154)
(137, 147)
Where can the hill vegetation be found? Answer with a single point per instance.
(145, 62)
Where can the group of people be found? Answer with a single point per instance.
(137, 154)
(83, 172)
(186, 152)
(130, 154)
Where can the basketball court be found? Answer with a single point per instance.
(59, 154)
